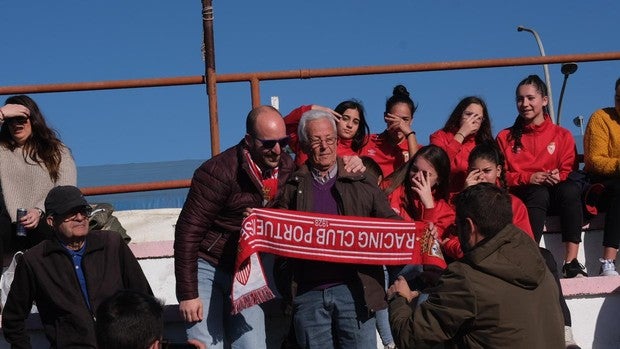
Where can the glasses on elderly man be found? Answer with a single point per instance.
(72, 215)
(317, 142)
(270, 143)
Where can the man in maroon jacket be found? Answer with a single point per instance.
(248, 175)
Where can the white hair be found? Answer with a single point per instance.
(309, 116)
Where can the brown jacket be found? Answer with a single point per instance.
(499, 295)
(209, 223)
(356, 196)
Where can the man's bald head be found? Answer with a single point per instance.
(267, 114)
(265, 124)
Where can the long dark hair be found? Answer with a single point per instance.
(453, 124)
(516, 130)
(489, 151)
(360, 138)
(43, 146)
(438, 158)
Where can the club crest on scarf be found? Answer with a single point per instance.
(429, 246)
(243, 274)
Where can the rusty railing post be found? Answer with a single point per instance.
(210, 76)
(255, 91)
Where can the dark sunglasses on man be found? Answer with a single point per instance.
(72, 215)
(270, 143)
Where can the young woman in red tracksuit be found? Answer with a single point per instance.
(539, 157)
(486, 164)
(418, 191)
(468, 125)
(351, 127)
(397, 144)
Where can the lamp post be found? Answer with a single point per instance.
(578, 121)
(545, 67)
(567, 69)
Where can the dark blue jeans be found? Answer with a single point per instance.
(332, 318)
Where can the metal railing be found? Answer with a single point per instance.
(255, 78)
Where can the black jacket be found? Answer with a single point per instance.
(45, 275)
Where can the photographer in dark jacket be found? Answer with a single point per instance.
(499, 295)
(69, 276)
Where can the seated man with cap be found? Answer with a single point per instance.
(69, 275)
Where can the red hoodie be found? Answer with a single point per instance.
(458, 154)
(545, 148)
(387, 155)
(442, 215)
(292, 122)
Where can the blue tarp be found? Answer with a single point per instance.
(92, 176)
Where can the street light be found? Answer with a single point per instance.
(567, 69)
(578, 121)
(545, 67)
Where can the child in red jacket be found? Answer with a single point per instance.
(539, 157)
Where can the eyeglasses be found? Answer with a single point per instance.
(73, 215)
(318, 141)
(17, 120)
(270, 143)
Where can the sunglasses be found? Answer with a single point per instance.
(270, 143)
(72, 215)
(17, 120)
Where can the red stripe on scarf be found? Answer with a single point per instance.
(268, 185)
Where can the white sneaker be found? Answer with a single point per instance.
(608, 267)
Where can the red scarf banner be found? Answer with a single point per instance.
(322, 237)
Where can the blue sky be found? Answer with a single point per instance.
(78, 41)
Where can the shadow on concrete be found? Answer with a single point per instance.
(606, 333)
